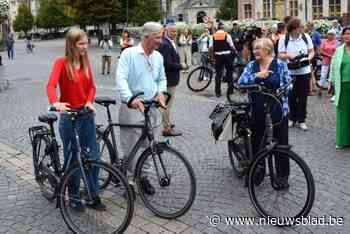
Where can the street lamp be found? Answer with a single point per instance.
(127, 13)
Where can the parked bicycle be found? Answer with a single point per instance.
(201, 77)
(55, 182)
(172, 175)
(260, 170)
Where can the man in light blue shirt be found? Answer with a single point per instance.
(140, 69)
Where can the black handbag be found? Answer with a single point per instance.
(218, 116)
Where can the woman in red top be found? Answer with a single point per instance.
(77, 91)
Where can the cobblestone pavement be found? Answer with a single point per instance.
(23, 210)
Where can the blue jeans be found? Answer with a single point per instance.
(85, 126)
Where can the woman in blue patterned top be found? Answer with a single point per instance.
(272, 73)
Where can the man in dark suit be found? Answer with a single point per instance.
(172, 70)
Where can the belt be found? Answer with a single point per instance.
(223, 52)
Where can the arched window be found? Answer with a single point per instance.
(200, 16)
(334, 8)
(316, 8)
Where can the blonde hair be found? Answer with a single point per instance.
(73, 36)
(265, 44)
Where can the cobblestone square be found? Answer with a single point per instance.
(24, 210)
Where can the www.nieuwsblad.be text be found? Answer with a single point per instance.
(325, 220)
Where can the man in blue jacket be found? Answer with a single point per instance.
(172, 67)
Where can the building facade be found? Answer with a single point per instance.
(193, 11)
(304, 9)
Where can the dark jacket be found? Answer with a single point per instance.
(171, 62)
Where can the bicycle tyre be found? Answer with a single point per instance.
(237, 71)
(63, 204)
(43, 173)
(234, 159)
(192, 77)
(161, 148)
(106, 154)
(305, 169)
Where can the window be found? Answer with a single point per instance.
(293, 7)
(248, 11)
(266, 8)
(316, 8)
(180, 17)
(334, 8)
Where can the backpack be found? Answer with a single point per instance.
(286, 40)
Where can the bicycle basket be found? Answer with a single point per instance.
(37, 130)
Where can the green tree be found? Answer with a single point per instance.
(24, 20)
(52, 15)
(94, 12)
(4, 8)
(145, 10)
(228, 10)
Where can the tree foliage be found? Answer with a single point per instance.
(228, 10)
(4, 10)
(94, 12)
(144, 10)
(24, 20)
(52, 15)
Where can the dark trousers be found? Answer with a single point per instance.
(298, 98)
(10, 53)
(280, 133)
(221, 62)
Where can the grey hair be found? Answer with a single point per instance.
(151, 28)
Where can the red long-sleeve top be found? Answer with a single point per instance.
(76, 92)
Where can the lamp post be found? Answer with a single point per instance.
(127, 13)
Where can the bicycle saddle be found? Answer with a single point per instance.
(105, 101)
(48, 118)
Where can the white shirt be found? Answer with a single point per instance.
(296, 46)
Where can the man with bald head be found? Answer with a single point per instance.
(172, 67)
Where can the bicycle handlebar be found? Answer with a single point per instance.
(80, 112)
(149, 102)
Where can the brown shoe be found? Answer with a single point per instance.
(169, 132)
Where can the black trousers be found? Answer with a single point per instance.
(221, 62)
(298, 98)
(280, 132)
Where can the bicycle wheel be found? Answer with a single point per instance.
(272, 201)
(238, 159)
(172, 177)
(43, 167)
(117, 199)
(237, 71)
(106, 154)
(199, 79)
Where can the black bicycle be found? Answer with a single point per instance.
(55, 182)
(269, 198)
(167, 170)
(201, 77)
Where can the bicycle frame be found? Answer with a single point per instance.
(146, 133)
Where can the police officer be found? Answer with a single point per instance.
(221, 48)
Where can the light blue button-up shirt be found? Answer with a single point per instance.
(138, 72)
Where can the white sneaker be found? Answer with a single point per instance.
(333, 98)
(206, 78)
(303, 126)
